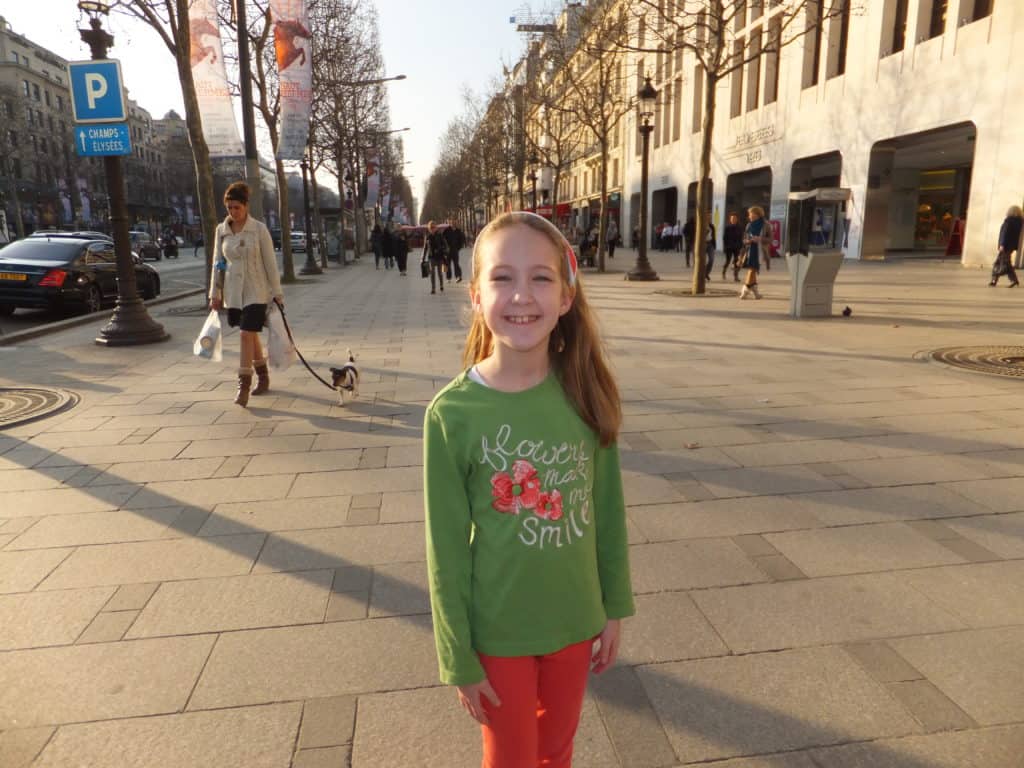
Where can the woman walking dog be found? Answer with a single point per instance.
(243, 281)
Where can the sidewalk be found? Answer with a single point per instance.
(828, 537)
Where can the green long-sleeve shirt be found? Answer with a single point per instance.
(525, 522)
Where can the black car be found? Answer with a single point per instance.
(64, 272)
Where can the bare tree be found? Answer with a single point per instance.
(170, 20)
(590, 78)
(723, 37)
(10, 151)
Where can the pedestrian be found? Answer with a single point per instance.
(755, 239)
(611, 237)
(1009, 241)
(399, 249)
(527, 551)
(709, 250)
(455, 241)
(377, 245)
(435, 252)
(689, 232)
(636, 236)
(732, 244)
(243, 281)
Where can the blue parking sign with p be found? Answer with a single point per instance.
(96, 93)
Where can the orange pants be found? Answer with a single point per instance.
(541, 698)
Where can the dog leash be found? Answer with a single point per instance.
(287, 328)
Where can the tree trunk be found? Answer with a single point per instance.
(19, 222)
(707, 131)
(288, 271)
(194, 122)
(602, 222)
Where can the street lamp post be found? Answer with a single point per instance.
(494, 208)
(310, 267)
(532, 178)
(648, 98)
(130, 324)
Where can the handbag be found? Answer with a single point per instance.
(424, 268)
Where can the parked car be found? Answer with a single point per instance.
(298, 242)
(144, 245)
(63, 272)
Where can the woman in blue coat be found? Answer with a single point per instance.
(755, 237)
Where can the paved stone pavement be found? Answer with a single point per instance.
(827, 538)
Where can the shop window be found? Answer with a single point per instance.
(771, 61)
(754, 71)
(838, 39)
(736, 107)
(677, 117)
(698, 98)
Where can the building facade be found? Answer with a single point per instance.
(910, 104)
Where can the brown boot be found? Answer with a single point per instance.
(244, 383)
(262, 377)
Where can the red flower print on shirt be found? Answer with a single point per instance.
(549, 506)
(519, 491)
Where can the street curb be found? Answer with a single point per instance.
(75, 322)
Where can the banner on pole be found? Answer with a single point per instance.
(207, 56)
(293, 48)
(372, 180)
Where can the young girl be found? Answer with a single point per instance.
(755, 237)
(525, 519)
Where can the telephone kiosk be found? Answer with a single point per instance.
(816, 227)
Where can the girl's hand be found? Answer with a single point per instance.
(279, 299)
(607, 646)
(216, 304)
(471, 698)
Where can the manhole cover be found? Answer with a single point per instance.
(197, 311)
(1000, 361)
(19, 405)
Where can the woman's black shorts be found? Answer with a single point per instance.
(251, 317)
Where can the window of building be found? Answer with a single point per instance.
(17, 166)
(26, 87)
(14, 56)
(771, 61)
(812, 43)
(31, 116)
(931, 20)
(615, 172)
(736, 107)
(50, 117)
(46, 97)
(739, 19)
(677, 117)
(980, 9)
(838, 39)
(13, 137)
(42, 145)
(24, 60)
(666, 114)
(35, 92)
(754, 70)
(756, 9)
(60, 103)
(39, 117)
(894, 26)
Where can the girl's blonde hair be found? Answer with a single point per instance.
(1014, 210)
(757, 210)
(575, 347)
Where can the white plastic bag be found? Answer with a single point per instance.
(210, 343)
(280, 350)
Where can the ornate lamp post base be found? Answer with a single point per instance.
(131, 325)
(642, 272)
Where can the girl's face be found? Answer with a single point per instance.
(237, 211)
(520, 291)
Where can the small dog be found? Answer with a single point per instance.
(346, 379)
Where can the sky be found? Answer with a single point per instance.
(442, 46)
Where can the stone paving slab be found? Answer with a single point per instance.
(279, 515)
(233, 603)
(401, 507)
(763, 481)
(721, 517)
(347, 483)
(96, 527)
(109, 454)
(999, 747)
(913, 470)
(668, 627)
(842, 609)
(57, 501)
(37, 619)
(981, 594)
(307, 461)
(987, 680)
(139, 562)
(247, 737)
(206, 493)
(96, 682)
(690, 565)
(23, 571)
(1002, 534)
(882, 505)
(268, 665)
(751, 705)
(338, 547)
(143, 472)
(860, 549)
(19, 748)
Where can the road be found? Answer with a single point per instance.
(176, 275)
